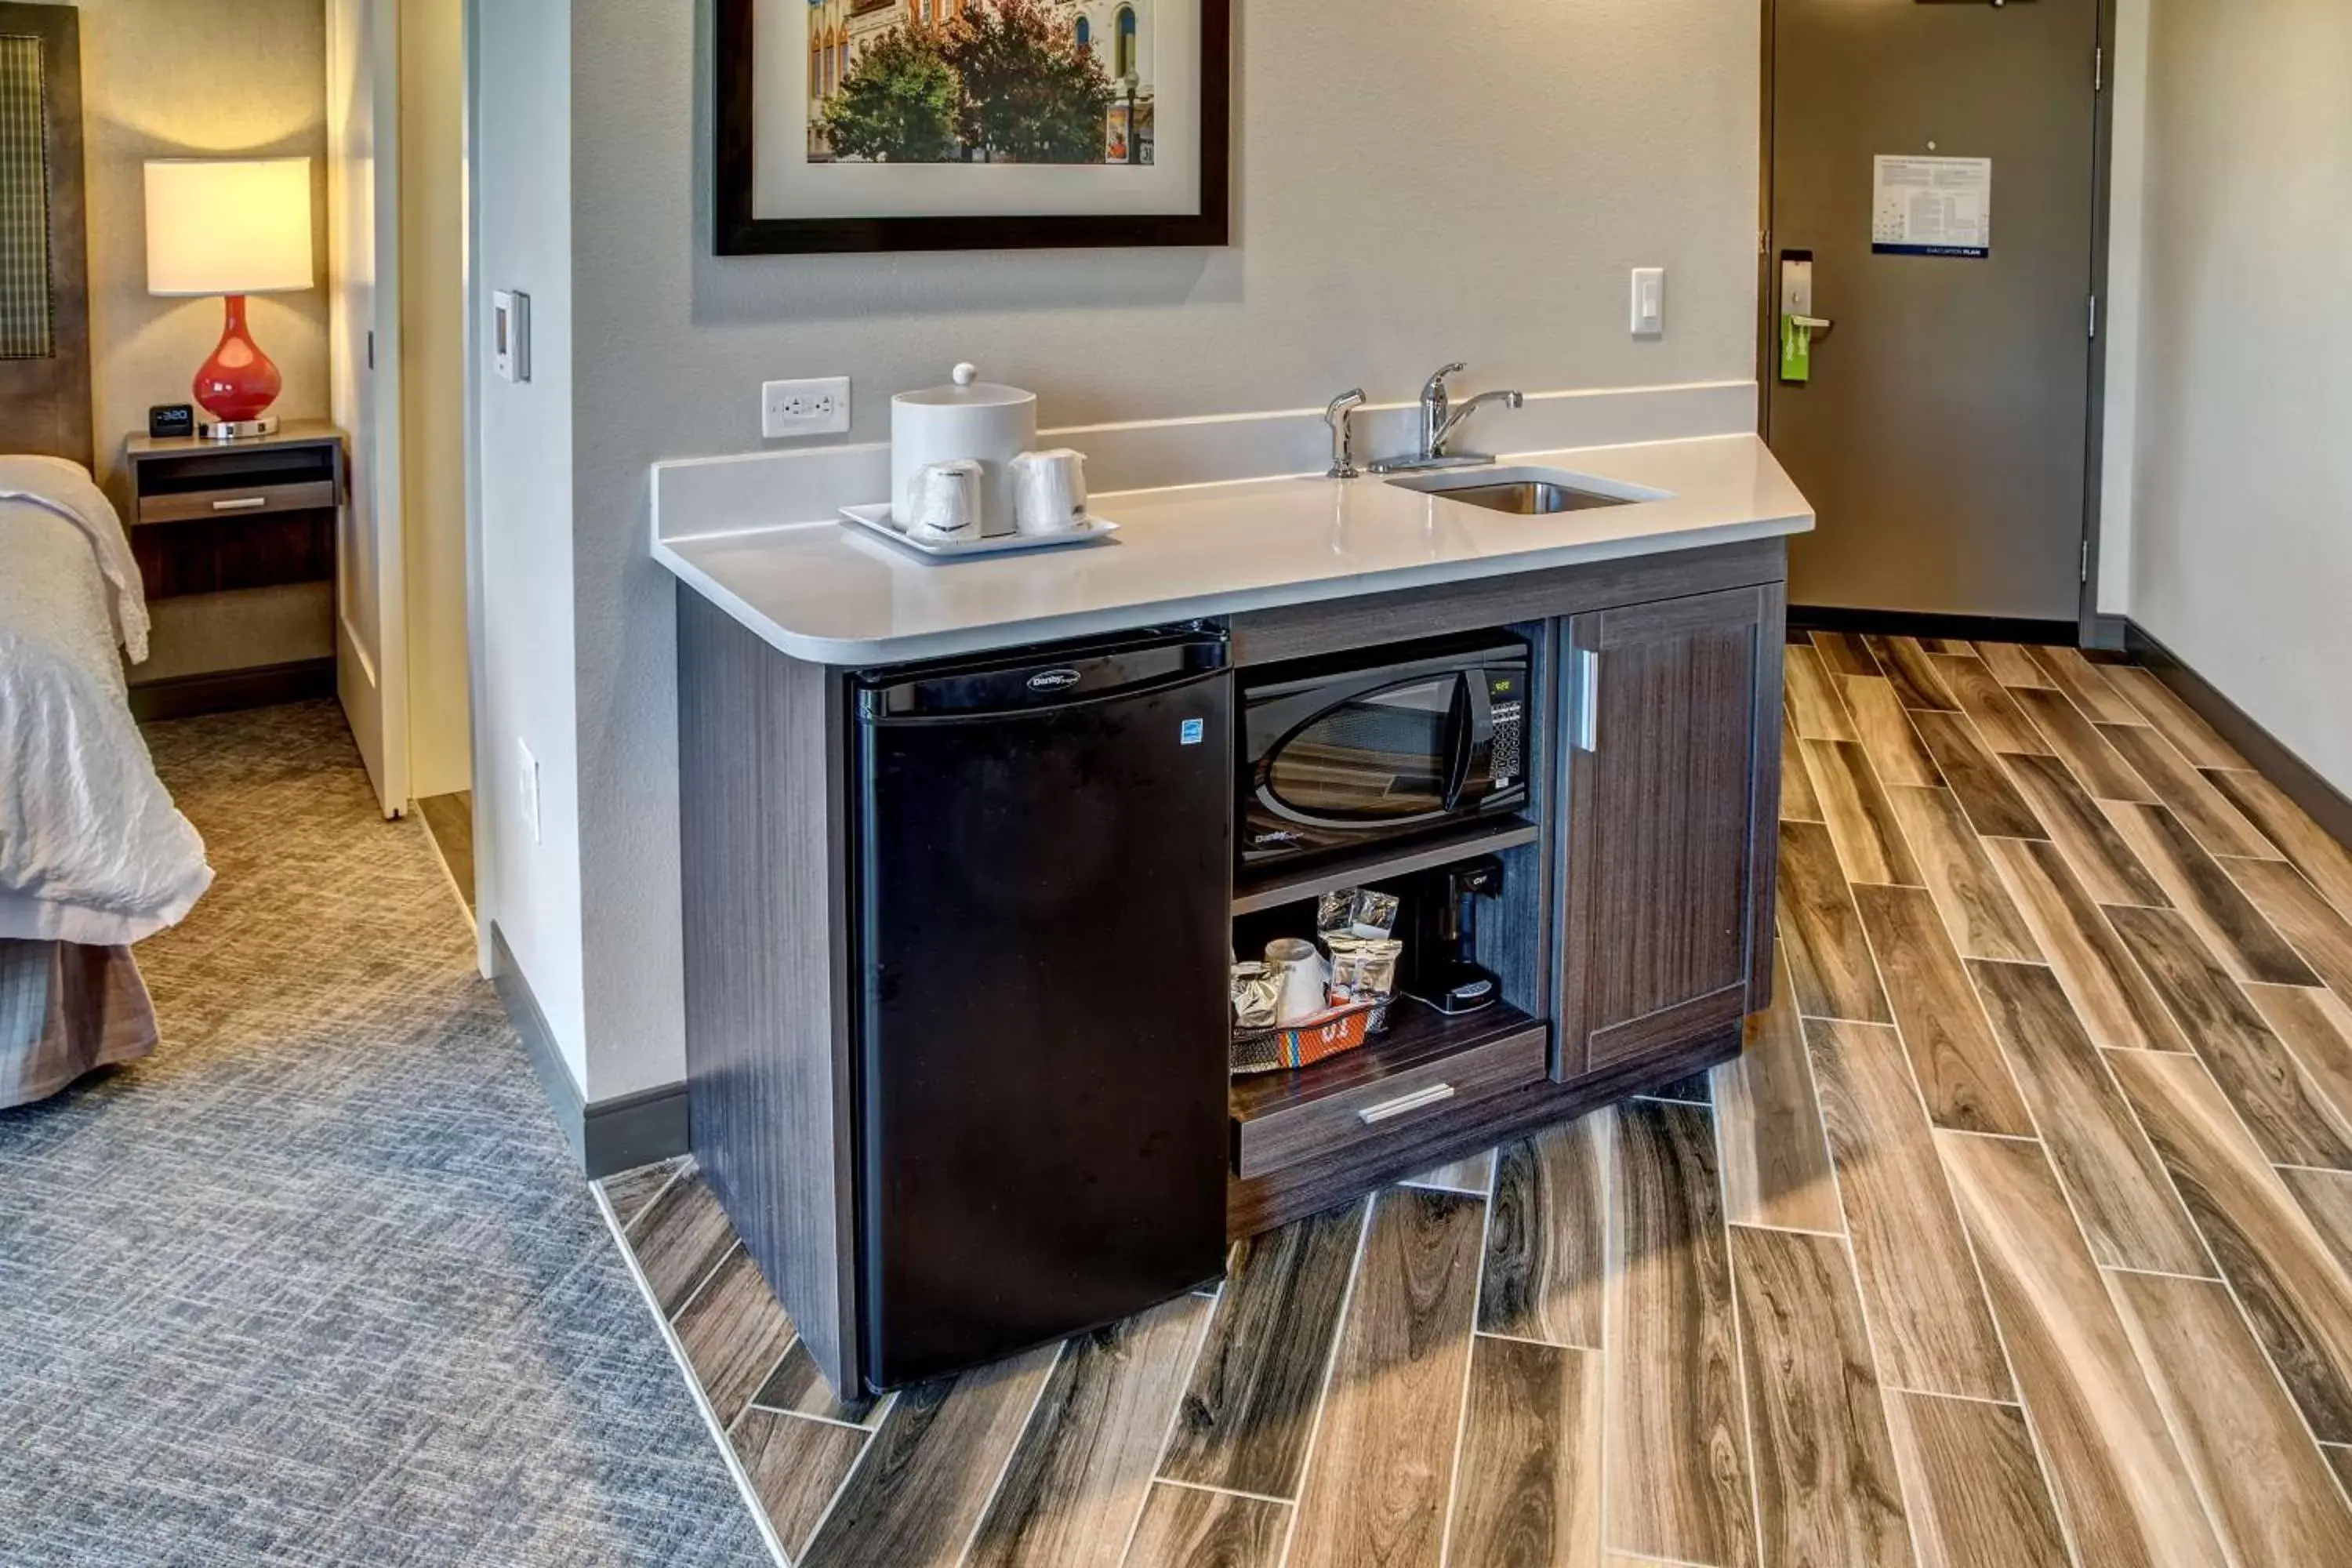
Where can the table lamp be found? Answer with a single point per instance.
(232, 228)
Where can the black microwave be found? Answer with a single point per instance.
(1338, 755)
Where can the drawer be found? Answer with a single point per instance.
(1368, 1099)
(188, 506)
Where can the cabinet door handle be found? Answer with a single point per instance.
(242, 503)
(1436, 1093)
(1588, 700)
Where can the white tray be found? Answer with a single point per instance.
(876, 520)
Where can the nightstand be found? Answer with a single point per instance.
(236, 540)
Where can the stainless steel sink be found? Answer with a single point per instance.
(1523, 492)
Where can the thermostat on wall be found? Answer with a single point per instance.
(172, 419)
(511, 334)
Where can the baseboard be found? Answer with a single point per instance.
(2320, 800)
(633, 1131)
(1916, 623)
(2111, 633)
(610, 1135)
(226, 690)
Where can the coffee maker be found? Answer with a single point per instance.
(1441, 967)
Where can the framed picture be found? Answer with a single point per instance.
(972, 125)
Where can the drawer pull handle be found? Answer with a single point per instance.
(242, 503)
(1435, 1094)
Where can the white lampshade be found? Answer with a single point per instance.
(229, 226)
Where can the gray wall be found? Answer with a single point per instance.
(525, 682)
(1415, 183)
(2242, 546)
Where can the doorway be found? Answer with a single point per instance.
(1937, 164)
(396, 112)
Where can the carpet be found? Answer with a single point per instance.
(319, 1282)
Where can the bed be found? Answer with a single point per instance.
(93, 854)
(94, 857)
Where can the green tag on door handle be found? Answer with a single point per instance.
(1796, 349)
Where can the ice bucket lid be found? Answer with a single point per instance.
(967, 391)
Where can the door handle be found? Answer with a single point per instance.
(1588, 700)
(1435, 1094)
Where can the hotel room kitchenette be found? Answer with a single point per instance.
(969, 845)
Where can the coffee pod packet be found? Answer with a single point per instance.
(1257, 997)
(1335, 914)
(1374, 976)
(1347, 952)
(1372, 914)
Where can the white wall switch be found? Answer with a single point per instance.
(529, 789)
(819, 407)
(1649, 301)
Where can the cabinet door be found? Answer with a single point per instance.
(1672, 709)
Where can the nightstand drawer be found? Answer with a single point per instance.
(188, 506)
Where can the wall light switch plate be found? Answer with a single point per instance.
(818, 407)
(1649, 301)
(528, 783)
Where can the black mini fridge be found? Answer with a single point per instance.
(1044, 927)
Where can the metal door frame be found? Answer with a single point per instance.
(2103, 140)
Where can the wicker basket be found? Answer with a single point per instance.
(1319, 1038)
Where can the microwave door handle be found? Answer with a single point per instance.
(1481, 771)
(1461, 742)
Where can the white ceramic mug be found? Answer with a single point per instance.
(952, 503)
(1305, 985)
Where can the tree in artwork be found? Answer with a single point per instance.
(899, 104)
(1030, 93)
(1003, 82)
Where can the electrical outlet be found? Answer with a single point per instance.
(819, 407)
(529, 789)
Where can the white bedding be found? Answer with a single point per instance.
(91, 848)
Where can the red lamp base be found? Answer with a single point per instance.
(239, 383)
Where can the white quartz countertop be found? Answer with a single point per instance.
(824, 592)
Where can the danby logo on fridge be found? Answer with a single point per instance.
(1055, 679)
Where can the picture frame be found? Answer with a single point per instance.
(803, 166)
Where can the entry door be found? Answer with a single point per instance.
(363, 231)
(1942, 437)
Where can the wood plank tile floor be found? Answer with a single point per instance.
(2021, 1235)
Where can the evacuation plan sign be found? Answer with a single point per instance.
(1931, 207)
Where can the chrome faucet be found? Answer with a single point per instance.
(1343, 444)
(1440, 418)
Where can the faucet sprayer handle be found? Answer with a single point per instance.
(1343, 450)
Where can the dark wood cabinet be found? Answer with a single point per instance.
(1632, 937)
(1669, 811)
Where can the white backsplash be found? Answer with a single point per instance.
(697, 497)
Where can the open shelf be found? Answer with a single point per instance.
(1287, 886)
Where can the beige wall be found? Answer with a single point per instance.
(2242, 532)
(174, 78)
(1414, 184)
(433, 390)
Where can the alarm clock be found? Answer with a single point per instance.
(172, 419)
